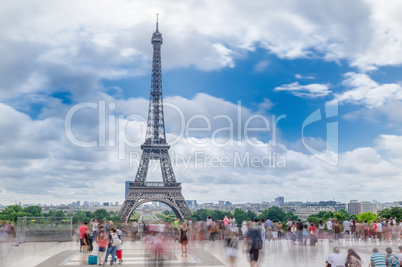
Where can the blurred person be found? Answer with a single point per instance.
(209, 221)
(330, 229)
(313, 237)
(379, 230)
(212, 231)
(6, 229)
(175, 225)
(387, 231)
(82, 231)
(308, 223)
(400, 255)
(226, 221)
(190, 229)
(12, 232)
(280, 230)
(244, 228)
(86, 243)
(107, 226)
(221, 230)
(1, 229)
(392, 259)
(353, 259)
(134, 231)
(337, 232)
(252, 243)
(289, 224)
(347, 228)
(184, 238)
(400, 230)
(377, 259)
(336, 259)
(114, 241)
(119, 249)
(293, 230)
(373, 230)
(394, 230)
(299, 226)
(232, 223)
(263, 232)
(321, 232)
(95, 227)
(275, 230)
(102, 240)
(366, 229)
(268, 228)
(231, 243)
(305, 235)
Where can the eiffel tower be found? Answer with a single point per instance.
(155, 148)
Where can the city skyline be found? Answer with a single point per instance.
(264, 100)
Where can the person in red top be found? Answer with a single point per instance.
(226, 221)
(83, 229)
(313, 238)
(373, 229)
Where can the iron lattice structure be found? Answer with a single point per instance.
(155, 148)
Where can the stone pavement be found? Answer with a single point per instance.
(275, 253)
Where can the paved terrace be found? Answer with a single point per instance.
(275, 253)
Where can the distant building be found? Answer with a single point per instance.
(356, 207)
(192, 203)
(106, 204)
(279, 201)
(398, 204)
(221, 203)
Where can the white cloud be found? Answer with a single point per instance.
(261, 66)
(310, 90)
(37, 154)
(98, 40)
(390, 143)
(299, 76)
(366, 91)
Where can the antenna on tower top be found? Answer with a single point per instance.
(157, 21)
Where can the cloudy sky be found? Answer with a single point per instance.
(291, 98)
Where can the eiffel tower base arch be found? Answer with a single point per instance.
(147, 192)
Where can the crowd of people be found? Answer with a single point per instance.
(251, 236)
(7, 230)
(109, 241)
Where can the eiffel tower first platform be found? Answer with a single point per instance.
(155, 148)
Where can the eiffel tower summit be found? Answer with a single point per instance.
(155, 148)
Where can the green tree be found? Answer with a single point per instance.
(345, 213)
(240, 216)
(35, 211)
(201, 214)
(274, 213)
(339, 216)
(391, 213)
(251, 215)
(100, 214)
(289, 215)
(369, 216)
(12, 208)
(327, 215)
(353, 217)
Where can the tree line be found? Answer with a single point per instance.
(12, 212)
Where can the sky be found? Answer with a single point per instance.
(301, 99)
